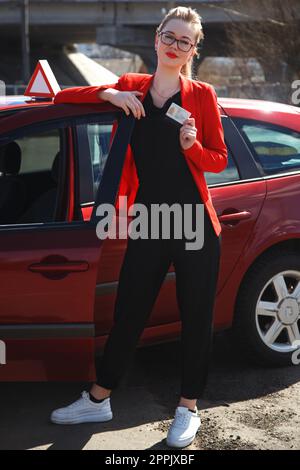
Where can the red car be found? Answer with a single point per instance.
(58, 280)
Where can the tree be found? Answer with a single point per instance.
(269, 31)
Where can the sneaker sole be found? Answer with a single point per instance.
(83, 419)
(182, 443)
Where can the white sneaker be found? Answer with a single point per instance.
(183, 428)
(83, 410)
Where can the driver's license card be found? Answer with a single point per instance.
(177, 113)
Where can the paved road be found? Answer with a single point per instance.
(245, 407)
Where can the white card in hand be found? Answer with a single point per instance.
(177, 113)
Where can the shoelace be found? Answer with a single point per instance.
(84, 395)
(181, 419)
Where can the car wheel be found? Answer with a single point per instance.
(267, 315)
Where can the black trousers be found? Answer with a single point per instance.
(144, 268)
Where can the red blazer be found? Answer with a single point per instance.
(208, 153)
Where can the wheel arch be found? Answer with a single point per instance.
(290, 245)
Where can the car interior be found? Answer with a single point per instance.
(28, 197)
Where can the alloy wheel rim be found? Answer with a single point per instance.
(277, 312)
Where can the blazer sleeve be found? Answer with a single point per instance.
(86, 94)
(211, 154)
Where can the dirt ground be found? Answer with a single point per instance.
(244, 407)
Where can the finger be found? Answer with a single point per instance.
(133, 108)
(140, 103)
(189, 121)
(136, 107)
(188, 134)
(136, 92)
(143, 110)
(189, 128)
(140, 107)
(190, 124)
(125, 108)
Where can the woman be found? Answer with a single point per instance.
(168, 162)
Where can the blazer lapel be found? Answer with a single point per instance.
(145, 85)
(187, 96)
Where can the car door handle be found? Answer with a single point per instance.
(64, 267)
(234, 216)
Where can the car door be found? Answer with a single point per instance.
(238, 195)
(49, 258)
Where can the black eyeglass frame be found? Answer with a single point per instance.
(177, 40)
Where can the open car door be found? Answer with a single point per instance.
(48, 269)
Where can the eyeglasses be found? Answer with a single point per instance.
(168, 39)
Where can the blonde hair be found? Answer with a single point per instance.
(189, 15)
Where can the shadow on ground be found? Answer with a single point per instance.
(144, 401)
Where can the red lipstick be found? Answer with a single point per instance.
(171, 55)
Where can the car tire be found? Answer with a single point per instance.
(252, 330)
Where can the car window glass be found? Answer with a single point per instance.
(38, 151)
(276, 149)
(99, 136)
(30, 170)
(230, 173)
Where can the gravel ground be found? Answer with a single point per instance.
(244, 407)
(247, 407)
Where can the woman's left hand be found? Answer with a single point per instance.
(188, 133)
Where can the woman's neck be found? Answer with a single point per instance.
(166, 80)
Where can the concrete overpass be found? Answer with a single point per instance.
(129, 25)
(66, 21)
(126, 24)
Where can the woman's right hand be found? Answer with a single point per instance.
(127, 100)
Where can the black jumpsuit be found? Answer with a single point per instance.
(164, 176)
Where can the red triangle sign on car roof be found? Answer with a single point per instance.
(43, 82)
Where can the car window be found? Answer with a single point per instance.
(276, 149)
(230, 173)
(94, 139)
(99, 144)
(99, 135)
(31, 169)
(38, 151)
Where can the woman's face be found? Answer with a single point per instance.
(171, 55)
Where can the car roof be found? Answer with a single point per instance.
(14, 102)
(272, 112)
(232, 104)
(278, 113)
